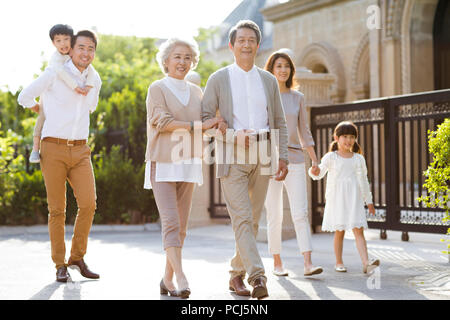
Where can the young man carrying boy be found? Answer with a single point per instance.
(61, 36)
(64, 153)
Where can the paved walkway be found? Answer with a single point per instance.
(131, 260)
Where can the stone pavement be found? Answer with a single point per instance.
(131, 260)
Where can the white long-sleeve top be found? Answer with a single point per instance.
(346, 191)
(66, 112)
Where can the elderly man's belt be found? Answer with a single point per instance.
(66, 142)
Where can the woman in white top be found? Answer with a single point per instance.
(347, 190)
(281, 65)
(173, 156)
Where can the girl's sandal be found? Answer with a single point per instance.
(371, 266)
(340, 268)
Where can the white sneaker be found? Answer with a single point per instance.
(35, 157)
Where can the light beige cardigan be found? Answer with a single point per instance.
(163, 107)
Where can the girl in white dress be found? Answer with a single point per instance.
(346, 191)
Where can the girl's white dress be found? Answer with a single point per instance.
(347, 190)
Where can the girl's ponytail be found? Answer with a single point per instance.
(333, 146)
(357, 148)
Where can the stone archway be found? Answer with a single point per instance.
(360, 71)
(416, 34)
(441, 38)
(322, 57)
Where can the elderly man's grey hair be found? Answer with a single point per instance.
(167, 46)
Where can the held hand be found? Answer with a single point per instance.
(222, 127)
(208, 124)
(315, 170)
(371, 208)
(81, 91)
(35, 108)
(282, 171)
(211, 123)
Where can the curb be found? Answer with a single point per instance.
(43, 229)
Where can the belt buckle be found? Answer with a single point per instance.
(70, 144)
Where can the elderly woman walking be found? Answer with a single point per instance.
(174, 112)
(282, 67)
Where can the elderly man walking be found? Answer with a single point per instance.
(64, 153)
(248, 98)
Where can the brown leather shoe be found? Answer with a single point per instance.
(82, 267)
(237, 285)
(62, 275)
(259, 288)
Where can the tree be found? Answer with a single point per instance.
(127, 66)
(438, 172)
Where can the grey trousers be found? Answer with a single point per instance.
(245, 191)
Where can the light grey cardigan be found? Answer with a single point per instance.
(217, 96)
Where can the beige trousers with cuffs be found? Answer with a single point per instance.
(244, 190)
(174, 201)
(61, 163)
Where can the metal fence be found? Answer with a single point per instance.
(393, 136)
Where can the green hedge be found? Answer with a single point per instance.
(119, 185)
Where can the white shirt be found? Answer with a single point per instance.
(66, 112)
(249, 99)
(189, 170)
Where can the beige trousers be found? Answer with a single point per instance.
(174, 201)
(244, 191)
(61, 163)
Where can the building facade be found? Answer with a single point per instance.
(347, 50)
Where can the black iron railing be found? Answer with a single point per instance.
(393, 135)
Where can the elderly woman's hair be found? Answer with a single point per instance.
(167, 46)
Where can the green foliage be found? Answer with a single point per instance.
(127, 66)
(438, 172)
(121, 185)
(11, 114)
(22, 194)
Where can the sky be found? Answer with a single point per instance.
(24, 26)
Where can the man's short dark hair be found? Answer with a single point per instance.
(249, 24)
(84, 33)
(61, 29)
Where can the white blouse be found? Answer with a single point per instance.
(183, 171)
(347, 190)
